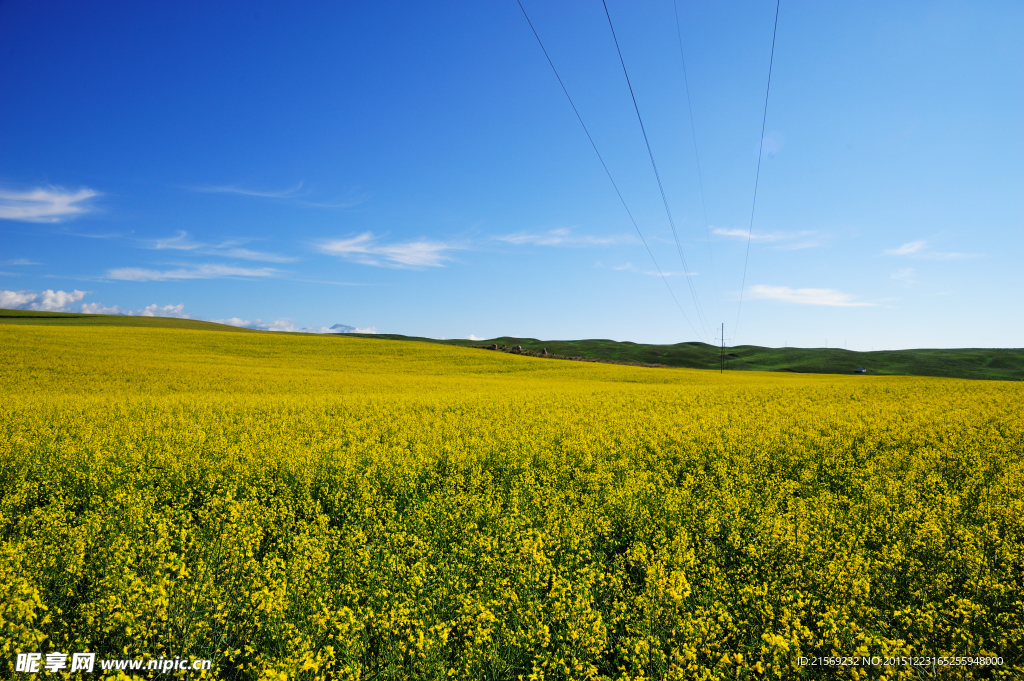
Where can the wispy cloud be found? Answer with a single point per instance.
(561, 237)
(806, 296)
(366, 250)
(49, 204)
(289, 193)
(629, 267)
(743, 234)
(225, 249)
(206, 271)
(772, 143)
(297, 194)
(904, 275)
(920, 250)
(19, 262)
(786, 241)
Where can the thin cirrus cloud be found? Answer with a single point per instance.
(366, 249)
(205, 271)
(629, 267)
(228, 249)
(289, 193)
(921, 251)
(47, 205)
(806, 296)
(786, 241)
(560, 237)
(296, 194)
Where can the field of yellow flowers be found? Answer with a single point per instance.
(310, 507)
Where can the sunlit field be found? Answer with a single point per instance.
(308, 507)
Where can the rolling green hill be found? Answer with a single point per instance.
(973, 363)
(73, 318)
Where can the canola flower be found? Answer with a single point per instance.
(296, 507)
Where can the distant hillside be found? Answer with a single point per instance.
(974, 363)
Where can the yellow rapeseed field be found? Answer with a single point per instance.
(310, 507)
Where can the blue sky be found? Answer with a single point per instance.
(415, 168)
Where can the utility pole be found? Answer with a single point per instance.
(721, 356)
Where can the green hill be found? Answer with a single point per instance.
(76, 319)
(974, 363)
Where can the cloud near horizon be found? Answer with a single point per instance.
(45, 205)
(47, 301)
(61, 301)
(365, 250)
(289, 327)
(805, 296)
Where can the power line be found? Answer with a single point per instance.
(605, 166)
(700, 178)
(661, 188)
(760, 148)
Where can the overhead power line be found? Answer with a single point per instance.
(760, 149)
(605, 166)
(700, 178)
(661, 188)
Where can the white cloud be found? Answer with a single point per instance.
(921, 251)
(560, 237)
(473, 337)
(100, 308)
(62, 301)
(47, 301)
(365, 250)
(208, 271)
(52, 204)
(19, 261)
(806, 296)
(155, 310)
(16, 300)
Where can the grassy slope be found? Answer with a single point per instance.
(975, 363)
